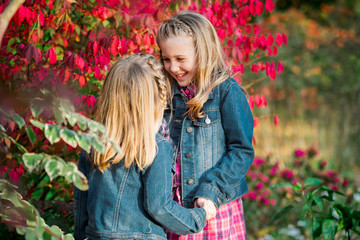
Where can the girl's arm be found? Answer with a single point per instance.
(80, 209)
(226, 179)
(158, 191)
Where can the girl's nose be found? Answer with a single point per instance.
(174, 67)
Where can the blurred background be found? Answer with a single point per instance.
(317, 97)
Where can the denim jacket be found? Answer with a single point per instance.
(128, 203)
(216, 150)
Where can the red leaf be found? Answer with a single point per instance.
(221, 33)
(41, 18)
(251, 102)
(37, 54)
(95, 47)
(285, 40)
(256, 29)
(67, 75)
(276, 120)
(270, 40)
(114, 46)
(52, 56)
(123, 48)
(255, 68)
(82, 81)
(279, 39)
(256, 122)
(259, 8)
(79, 62)
(97, 72)
(21, 13)
(275, 51)
(269, 5)
(280, 67)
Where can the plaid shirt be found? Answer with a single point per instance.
(229, 222)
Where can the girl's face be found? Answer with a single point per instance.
(179, 57)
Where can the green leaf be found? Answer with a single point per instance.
(69, 137)
(281, 185)
(316, 227)
(68, 237)
(319, 202)
(66, 105)
(37, 124)
(58, 115)
(98, 145)
(81, 120)
(83, 141)
(80, 181)
(281, 213)
(52, 133)
(328, 228)
(18, 119)
(40, 223)
(52, 169)
(312, 182)
(95, 126)
(56, 231)
(31, 134)
(2, 128)
(32, 160)
(35, 110)
(71, 117)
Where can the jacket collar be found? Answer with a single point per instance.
(177, 92)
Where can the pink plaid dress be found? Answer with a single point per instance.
(229, 221)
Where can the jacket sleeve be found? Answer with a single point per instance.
(222, 183)
(158, 202)
(80, 209)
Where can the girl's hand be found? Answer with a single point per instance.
(208, 205)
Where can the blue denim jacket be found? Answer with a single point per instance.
(216, 150)
(129, 203)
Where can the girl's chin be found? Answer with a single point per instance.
(183, 83)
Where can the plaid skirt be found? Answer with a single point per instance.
(229, 224)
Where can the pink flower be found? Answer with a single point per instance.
(252, 195)
(273, 202)
(274, 170)
(264, 178)
(276, 120)
(16, 173)
(286, 173)
(3, 170)
(345, 182)
(323, 164)
(259, 185)
(299, 153)
(258, 161)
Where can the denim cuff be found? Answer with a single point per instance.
(209, 192)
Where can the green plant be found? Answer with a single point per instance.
(319, 203)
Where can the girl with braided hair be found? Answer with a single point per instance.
(129, 194)
(210, 123)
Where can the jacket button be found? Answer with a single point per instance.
(190, 182)
(188, 155)
(189, 129)
(207, 120)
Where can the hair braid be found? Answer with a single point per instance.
(159, 77)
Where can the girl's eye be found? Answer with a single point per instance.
(181, 59)
(166, 60)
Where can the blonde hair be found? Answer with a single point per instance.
(211, 67)
(131, 105)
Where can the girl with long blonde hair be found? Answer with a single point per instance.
(129, 194)
(210, 122)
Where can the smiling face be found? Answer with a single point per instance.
(179, 57)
